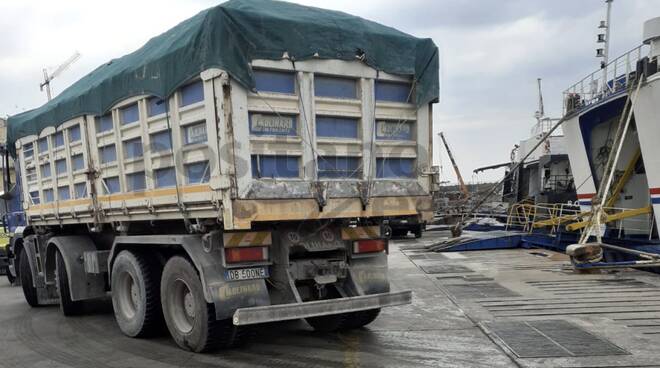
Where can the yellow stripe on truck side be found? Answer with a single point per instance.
(361, 232)
(247, 239)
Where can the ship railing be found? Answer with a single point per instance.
(528, 216)
(610, 80)
(555, 217)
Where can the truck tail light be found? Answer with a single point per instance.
(369, 246)
(246, 254)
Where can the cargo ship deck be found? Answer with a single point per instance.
(495, 308)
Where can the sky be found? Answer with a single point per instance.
(491, 53)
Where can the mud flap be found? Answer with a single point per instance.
(368, 275)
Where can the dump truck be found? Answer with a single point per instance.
(233, 171)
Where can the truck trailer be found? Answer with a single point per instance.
(235, 170)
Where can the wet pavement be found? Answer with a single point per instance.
(505, 308)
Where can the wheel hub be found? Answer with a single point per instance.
(189, 303)
(128, 295)
(135, 295)
(181, 303)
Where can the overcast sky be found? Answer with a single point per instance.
(491, 52)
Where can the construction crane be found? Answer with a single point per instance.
(49, 77)
(461, 183)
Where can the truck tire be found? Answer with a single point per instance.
(399, 233)
(362, 318)
(135, 289)
(343, 321)
(68, 306)
(418, 231)
(10, 277)
(189, 318)
(25, 274)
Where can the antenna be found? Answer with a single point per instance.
(48, 78)
(540, 113)
(604, 38)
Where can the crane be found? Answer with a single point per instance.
(49, 77)
(461, 183)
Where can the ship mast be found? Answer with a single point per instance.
(540, 113)
(604, 38)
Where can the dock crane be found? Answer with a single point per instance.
(49, 77)
(461, 183)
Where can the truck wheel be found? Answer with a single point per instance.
(386, 232)
(399, 233)
(136, 294)
(418, 231)
(362, 318)
(25, 274)
(10, 277)
(189, 318)
(68, 306)
(344, 321)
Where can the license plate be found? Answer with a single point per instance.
(246, 274)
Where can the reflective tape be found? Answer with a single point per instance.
(247, 239)
(361, 232)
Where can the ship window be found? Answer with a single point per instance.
(268, 166)
(198, 173)
(104, 123)
(108, 154)
(192, 93)
(31, 174)
(336, 127)
(74, 133)
(45, 171)
(335, 87)
(165, 177)
(63, 193)
(395, 168)
(58, 139)
(60, 167)
(277, 82)
(135, 181)
(43, 145)
(133, 148)
(339, 167)
(80, 190)
(48, 195)
(394, 130)
(129, 114)
(272, 124)
(161, 141)
(34, 197)
(77, 162)
(111, 185)
(156, 106)
(393, 92)
(28, 150)
(195, 133)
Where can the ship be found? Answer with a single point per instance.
(539, 175)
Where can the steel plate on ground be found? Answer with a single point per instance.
(551, 338)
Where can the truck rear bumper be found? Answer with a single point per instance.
(283, 312)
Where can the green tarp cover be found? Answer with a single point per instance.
(228, 37)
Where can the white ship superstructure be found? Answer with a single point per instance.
(594, 108)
